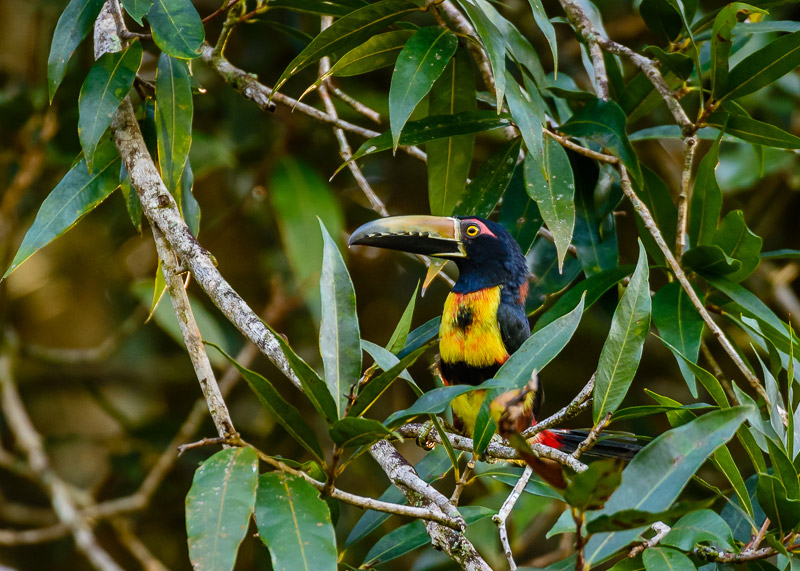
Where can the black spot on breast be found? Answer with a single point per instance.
(464, 317)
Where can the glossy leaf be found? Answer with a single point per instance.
(589, 490)
(349, 432)
(662, 18)
(449, 159)
(137, 9)
(711, 260)
(174, 110)
(738, 242)
(492, 38)
(662, 558)
(339, 337)
(520, 215)
(630, 519)
(177, 28)
(604, 123)
(547, 279)
(320, 7)
(401, 330)
(347, 32)
(678, 63)
(109, 80)
(413, 535)
(420, 63)
(218, 507)
(680, 324)
(376, 386)
(597, 251)
(436, 127)
(529, 123)
(706, 201)
(78, 193)
(594, 287)
(74, 23)
(420, 336)
(778, 507)
(721, 44)
(622, 349)
(279, 409)
(699, 527)
(754, 131)
(294, 523)
(764, 66)
(553, 190)
(298, 196)
(658, 473)
(487, 187)
(377, 52)
(547, 28)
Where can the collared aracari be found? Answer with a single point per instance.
(484, 319)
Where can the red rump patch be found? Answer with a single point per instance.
(548, 438)
(484, 228)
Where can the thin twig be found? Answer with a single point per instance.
(462, 481)
(581, 401)
(502, 516)
(689, 148)
(359, 107)
(661, 530)
(591, 439)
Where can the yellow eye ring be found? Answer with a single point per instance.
(473, 230)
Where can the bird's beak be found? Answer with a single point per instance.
(427, 235)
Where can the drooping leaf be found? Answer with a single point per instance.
(753, 131)
(137, 9)
(478, 12)
(546, 27)
(721, 44)
(190, 208)
(298, 195)
(738, 242)
(659, 472)
(132, 204)
(487, 187)
(420, 63)
(218, 507)
(74, 23)
(449, 159)
(177, 28)
(520, 216)
(400, 333)
(339, 337)
(662, 18)
(622, 350)
(106, 84)
(604, 123)
(764, 66)
(294, 523)
(413, 535)
(378, 385)
(174, 110)
(523, 111)
(78, 193)
(680, 324)
(347, 32)
(596, 248)
(706, 200)
(779, 508)
(279, 409)
(553, 190)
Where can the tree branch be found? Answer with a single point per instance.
(502, 516)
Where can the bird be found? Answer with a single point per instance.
(484, 319)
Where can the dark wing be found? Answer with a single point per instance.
(514, 328)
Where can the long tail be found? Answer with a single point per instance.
(607, 446)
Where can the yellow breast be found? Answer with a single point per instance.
(470, 332)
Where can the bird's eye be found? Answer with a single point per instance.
(473, 230)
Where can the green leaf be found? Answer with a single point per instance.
(772, 497)
(663, 558)
(779, 254)
(435, 127)
(412, 535)
(547, 28)
(339, 338)
(553, 190)
(347, 32)
(523, 111)
(218, 507)
(449, 159)
(629, 519)
(622, 349)
(595, 237)
(679, 64)
(658, 473)
(433, 466)
(174, 110)
(281, 410)
(350, 431)
(479, 12)
(74, 23)
(190, 209)
(784, 470)
(107, 83)
(710, 260)
(177, 28)
(662, 18)
(400, 334)
(520, 216)
(487, 187)
(651, 409)
(132, 204)
(510, 475)
(320, 7)
(294, 523)
(418, 66)
(604, 122)
(548, 280)
(764, 66)
(594, 287)
(589, 490)
(78, 193)
(738, 242)
(680, 324)
(753, 131)
(655, 194)
(373, 390)
(721, 44)
(706, 201)
(377, 52)
(298, 196)
(137, 9)
(698, 527)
